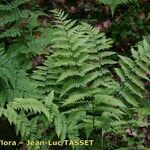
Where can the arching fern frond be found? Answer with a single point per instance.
(133, 72)
(76, 70)
(31, 105)
(19, 110)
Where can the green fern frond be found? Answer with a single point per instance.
(31, 105)
(60, 126)
(19, 109)
(13, 32)
(132, 73)
(20, 121)
(14, 16)
(77, 71)
(14, 80)
(16, 22)
(109, 100)
(114, 3)
(73, 98)
(14, 4)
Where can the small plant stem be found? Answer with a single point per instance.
(102, 139)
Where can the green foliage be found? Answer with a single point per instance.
(32, 117)
(132, 73)
(18, 27)
(19, 119)
(14, 4)
(13, 80)
(73, 94)
(129, 28)
(114, 3)
(77, 72)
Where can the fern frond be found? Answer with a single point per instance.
(60, 126)
(78, 74)
(73, 98)
(114, 3)
(31, 105)
(14, 16)
(14, 4)
(13, 32)
(109, 100)
(132, 73)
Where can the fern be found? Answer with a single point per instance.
(14, 16)
(73, 90)
(14, 4)
(16, 23)
(132, 73)
(29, 105)
(77, 72)
(14, 80)
(20, 121)
(114, 3)
(19, 110)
